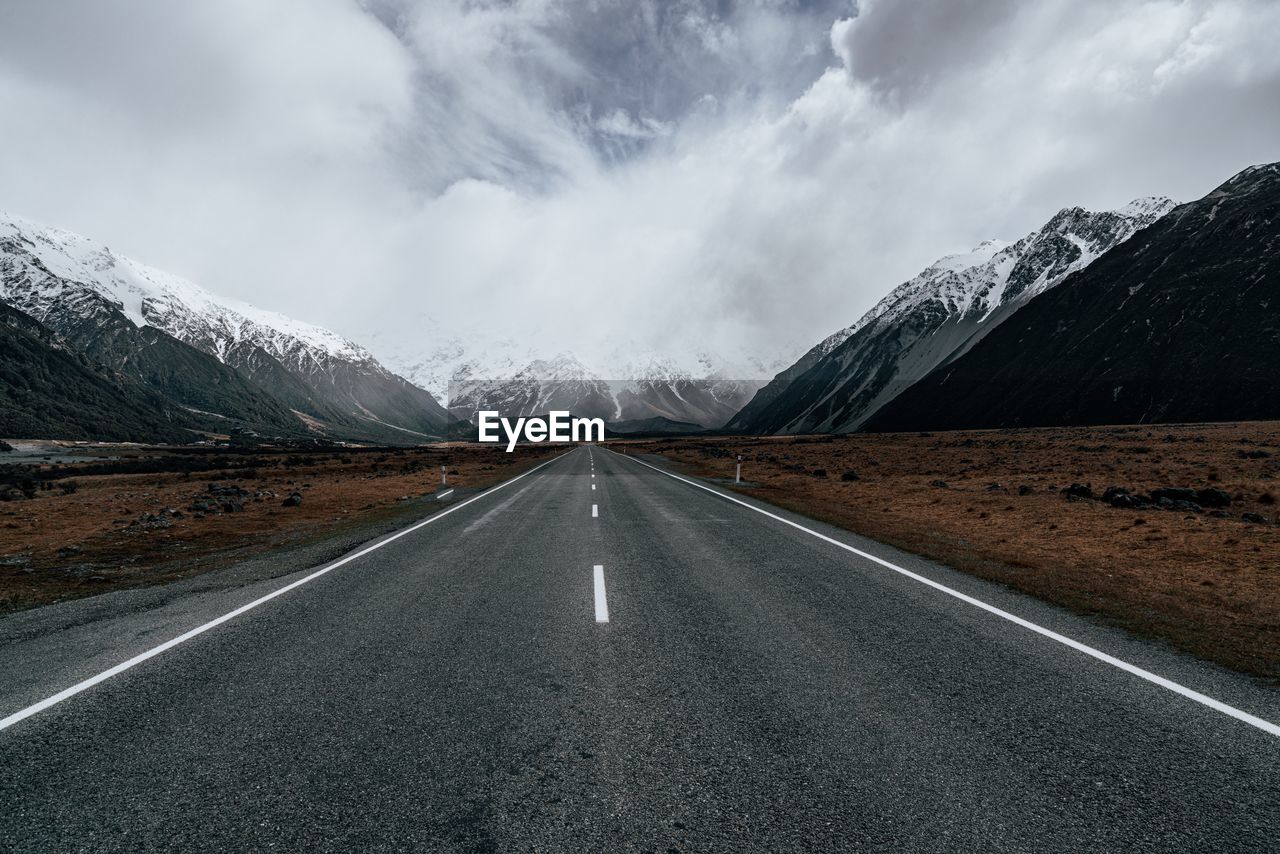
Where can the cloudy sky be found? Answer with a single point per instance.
(578, 171)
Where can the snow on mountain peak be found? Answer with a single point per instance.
(562, 367)
(996, 271)
(977, 255)
(151, 297)
(440, 357)
(1147, 206)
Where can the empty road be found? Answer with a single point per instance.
(601, 656)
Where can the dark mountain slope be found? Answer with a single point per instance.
(1180, 323)
(361, 401)
(184, 374)
(762, 414)
(656, 426)
(76, 285)
(49, 391)
(94, 326)
(375, 401)
(931, 319)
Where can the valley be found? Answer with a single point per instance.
(1005, 505)
(1124, 310)
(587, 425)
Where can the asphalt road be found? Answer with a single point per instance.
(755, 687)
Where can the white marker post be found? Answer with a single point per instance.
(737, 477)
(444, 475)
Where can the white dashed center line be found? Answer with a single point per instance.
(602, 607)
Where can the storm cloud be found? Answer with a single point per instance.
(584, 172)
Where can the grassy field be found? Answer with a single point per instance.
(157, 514)
(995, 504)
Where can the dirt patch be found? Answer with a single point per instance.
(998, 504)
(151, 515)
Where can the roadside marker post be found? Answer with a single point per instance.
(444, 475)
(737, 477)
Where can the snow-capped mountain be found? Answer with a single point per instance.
(476, 369)
(654, 388)
(273, 372)
(437, 355)
(1178, 324)
(934, 317)
(213, 396)
(702, 388)
(79, 288)
(559, 383)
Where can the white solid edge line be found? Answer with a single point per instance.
(602, 606)
(443, 494)
(67, 693)
(1203, 699)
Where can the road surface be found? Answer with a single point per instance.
(601, 656)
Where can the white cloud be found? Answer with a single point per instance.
(586, 172)
(623, 124)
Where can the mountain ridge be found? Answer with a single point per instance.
(474, 369)
(116, 308)
(933, 318)
(1180, 323)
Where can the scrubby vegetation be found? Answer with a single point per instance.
(1170, 531)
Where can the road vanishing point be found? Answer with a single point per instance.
(603, 655)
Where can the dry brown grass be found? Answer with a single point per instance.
(99, 538)
(1208, 585)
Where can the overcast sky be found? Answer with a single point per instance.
(577, 170)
